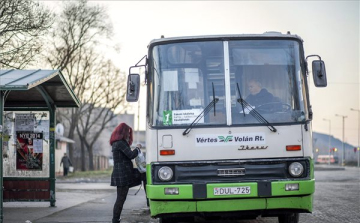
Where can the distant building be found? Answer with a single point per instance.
(321, 147)
(62, 146)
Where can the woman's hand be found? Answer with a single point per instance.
(138, 148)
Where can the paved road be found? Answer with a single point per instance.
(337, 199)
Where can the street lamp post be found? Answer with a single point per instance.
(358, 145)
(328, 120)
(343, 137)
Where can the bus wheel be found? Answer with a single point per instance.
(289, 218)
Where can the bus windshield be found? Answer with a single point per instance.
(241, 75)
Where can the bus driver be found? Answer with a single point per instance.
(258, 95)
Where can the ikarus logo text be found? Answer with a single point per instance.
(225, 139)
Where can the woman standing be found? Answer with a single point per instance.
(122, 175)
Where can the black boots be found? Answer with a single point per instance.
(116, 220)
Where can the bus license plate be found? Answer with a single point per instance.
(231, 190)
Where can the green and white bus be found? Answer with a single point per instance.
(214, 152)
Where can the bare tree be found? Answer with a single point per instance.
(78, 27)
(106, 92)
(23, 23)
(95, 80)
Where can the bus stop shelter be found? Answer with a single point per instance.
(28, 101)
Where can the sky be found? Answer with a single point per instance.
(328, 28)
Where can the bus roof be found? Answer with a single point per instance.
(227, 36)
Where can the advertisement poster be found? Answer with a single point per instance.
(24, 122)
(29, 151)
(43, 126)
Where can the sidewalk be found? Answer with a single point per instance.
(72, 194)
(17, 212)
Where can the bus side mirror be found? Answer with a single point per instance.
(133, 87)
(319, 73)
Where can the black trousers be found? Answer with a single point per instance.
(66, 170)
(119, 203)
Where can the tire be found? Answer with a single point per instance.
(289, 218)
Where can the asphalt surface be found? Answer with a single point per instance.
(336, 199)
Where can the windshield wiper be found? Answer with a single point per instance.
(203, 113)
(253, 112)
(241, 99)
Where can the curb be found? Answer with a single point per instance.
(83, 180)
(328, 168)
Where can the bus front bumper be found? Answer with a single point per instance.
(266, 198)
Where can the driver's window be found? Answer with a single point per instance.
(265, 78)
(266, 89)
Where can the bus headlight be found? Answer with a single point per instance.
(165, 173)
(296, 169)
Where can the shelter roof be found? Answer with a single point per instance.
(36, 88)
